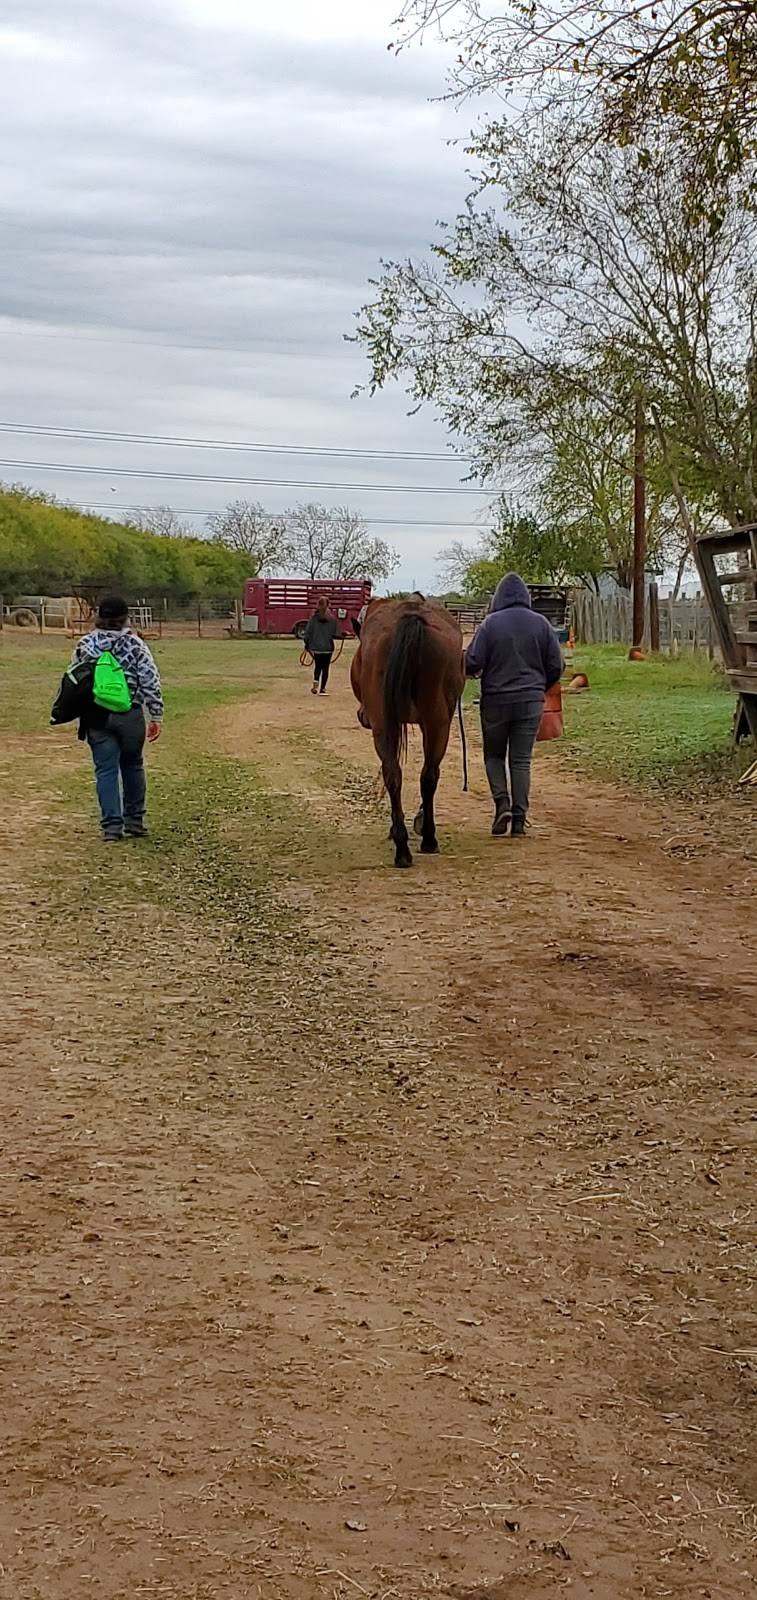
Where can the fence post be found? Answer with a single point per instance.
(199, 619)
(639, 523)
(672, 641)
(41, 621)
(654, 618)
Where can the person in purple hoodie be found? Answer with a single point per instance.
(516, 655)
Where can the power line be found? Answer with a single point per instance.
(236, 351)
(271, 483)
(209, 511)
(119, 436)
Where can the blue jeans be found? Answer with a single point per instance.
(117, 751)
(509, 729)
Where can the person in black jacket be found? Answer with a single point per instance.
(320, 634)
(517, 657)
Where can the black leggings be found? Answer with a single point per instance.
(321, 665)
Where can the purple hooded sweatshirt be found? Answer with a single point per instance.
(515, 652)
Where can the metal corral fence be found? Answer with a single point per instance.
(154, 616)
(606, 619)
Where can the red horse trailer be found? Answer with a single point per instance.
(285, 605)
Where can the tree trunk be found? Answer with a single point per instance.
(679, 574)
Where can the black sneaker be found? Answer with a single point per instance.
(501, 821)
(518, 828)
(112, 838)
(136, 832)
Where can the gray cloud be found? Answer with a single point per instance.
(190, 214)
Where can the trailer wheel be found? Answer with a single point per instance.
(299, 630)
(24, 618)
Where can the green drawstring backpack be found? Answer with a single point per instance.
(110, 689)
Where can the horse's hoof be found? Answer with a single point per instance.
(403, 861)
(418, 823)
(430, 847)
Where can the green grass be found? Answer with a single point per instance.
(654, 721)
(657, 721)
(197, 674)
(201, 802)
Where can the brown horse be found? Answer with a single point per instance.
(407, 669)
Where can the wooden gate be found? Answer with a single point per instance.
(727, 564)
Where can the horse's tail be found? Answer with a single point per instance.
(401, 680)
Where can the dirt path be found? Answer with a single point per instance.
(405, 1252)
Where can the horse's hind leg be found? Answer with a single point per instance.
(392, 773)
(435, 743)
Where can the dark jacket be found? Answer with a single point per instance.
(515, 652)
(74, 699)
(320, 634)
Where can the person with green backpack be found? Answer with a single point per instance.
(121, 705)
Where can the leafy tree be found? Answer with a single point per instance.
(218, 573)
(49, 548)
(677, 68)
(263, 538)
(336, 544)
(582, 279)
(161, 520)
(587, 490)
(540, 550)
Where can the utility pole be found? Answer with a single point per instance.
(639, 522)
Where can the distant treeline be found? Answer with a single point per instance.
(53, 549)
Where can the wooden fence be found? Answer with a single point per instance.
(607, 620)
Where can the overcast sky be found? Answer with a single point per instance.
(194, 194)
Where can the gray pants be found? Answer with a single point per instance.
(509, 729)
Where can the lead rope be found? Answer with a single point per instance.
(465, 747)
(306, 657)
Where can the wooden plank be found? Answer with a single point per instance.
(654, 618)
(742, 575)
(730, 538)
(706, 568)
(744, 679)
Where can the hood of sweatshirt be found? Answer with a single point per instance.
(510, 591)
